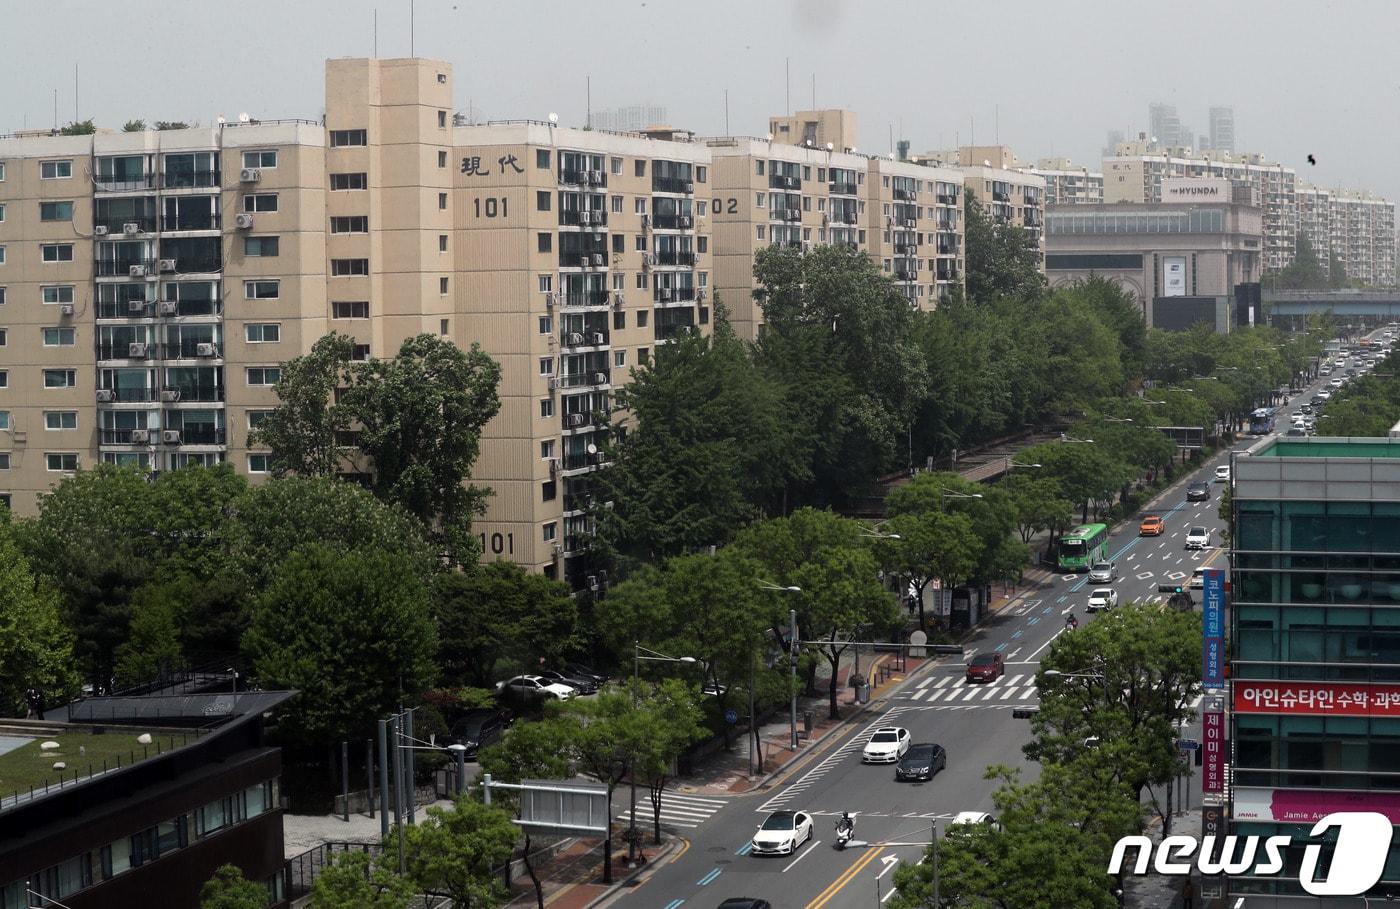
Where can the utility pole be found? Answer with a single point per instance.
(792, 672)
(936, 901)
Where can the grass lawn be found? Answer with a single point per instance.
(28, 766)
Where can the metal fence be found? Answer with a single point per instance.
(301, 871)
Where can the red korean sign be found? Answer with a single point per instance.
(1317, 698)
(1213, 746)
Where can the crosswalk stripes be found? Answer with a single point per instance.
(951, 689)
(676, 810)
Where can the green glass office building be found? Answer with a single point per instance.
(1314, 622)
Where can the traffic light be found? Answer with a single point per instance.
(1169, 588)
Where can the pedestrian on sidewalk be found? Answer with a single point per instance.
(1188, 895)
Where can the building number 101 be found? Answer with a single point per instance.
(501, 543)
(493, 207)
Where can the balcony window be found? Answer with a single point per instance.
(193, 254)
(264, 159)
(193, 169)
(122, 172)
(261, 247)
(119, 214)
(340, 138)
(190, 213)
(196, 383)
(54, 211)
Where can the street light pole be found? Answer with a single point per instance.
(792, 674)
(655, 656)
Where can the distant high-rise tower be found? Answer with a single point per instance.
(628, 119)
(1164, 124)
(1110, 147)
(1222, 128)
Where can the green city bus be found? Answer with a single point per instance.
(1083, 546)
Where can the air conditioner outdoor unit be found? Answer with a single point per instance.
(131, 227)
(685, 222)
(66, 309)
(910, 222)
(596, 457)
(167, 264)
(137, 271)
(575, 338)
(689, 188)
(558, 549)
(553, 465)
(106, 396)
(573, 419)
(168, 308)
(99, 230)
(795, 214)
(585, 260)
(595, 177)
(243, 221)
(136, 351)
(666, 295)
(700, 295)
(597, 258)
(204, 350)
(170, 395)
(170, 437)
(140, 436)
(249, 175)
(649, 259)
(646, 222)
(554, 382)
(600, 378)
(551, 298)
(598, 337)
(136, 307)
(618, 299)
(586, 217)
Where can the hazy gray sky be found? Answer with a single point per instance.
(1303, 77)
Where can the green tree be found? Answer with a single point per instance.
(932, 546)
(1087, 474)
(840, 594)
(673, 718)
(278, 516)
(1051, 850)
(499, 611)
(229, 889)
(350, 630)
(528, 751)
(78, 128)
(1305, 271)
(154, 645)
(1002, 259)
(306, 428)
(171, 124)
(458, 852)
(353, 881)
(1336, 272)
(134, 126)
(420, 416)
(36, 647)
(1122, 687)
(989, 511)
(1038, 504)
(705, 451)
(838, 341)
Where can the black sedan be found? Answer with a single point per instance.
(921, 762)
(581, 684)
(1198, 492)
(479, 728)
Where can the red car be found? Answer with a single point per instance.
(986, 667)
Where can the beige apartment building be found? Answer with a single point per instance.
(1363, 237)
(1066, 184)
(1005, 189)
(831, 128)
(152, 282)
(906, 217)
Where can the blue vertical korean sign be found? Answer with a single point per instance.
(1213, 629)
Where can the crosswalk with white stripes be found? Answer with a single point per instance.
(676, 810)
(952, 689)
(955, 693)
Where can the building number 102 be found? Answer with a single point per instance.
(500, 543)
(494, 207)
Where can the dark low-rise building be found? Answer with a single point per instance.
(203, 793)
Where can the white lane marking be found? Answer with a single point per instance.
(1007, 693)
(806, 853)
(1028, 692)
(1032, 657)
(944, 681)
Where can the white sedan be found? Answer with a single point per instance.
(886, 746)
(782, 833)
(1103, 598)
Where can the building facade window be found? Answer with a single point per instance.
(61, 461)
(54, 211)
(60, 419)
(263, 375)
(263, 333)
(351, 309)
(344, 268)
(60, 378)
(261, 290)
(55, 170)
(264, 159)
(349, 181)
(350, 224)
(59, 337)
(56, 252)
(261, 247)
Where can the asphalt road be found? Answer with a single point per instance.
(973, 722)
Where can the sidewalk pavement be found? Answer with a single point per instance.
(1158, 891)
